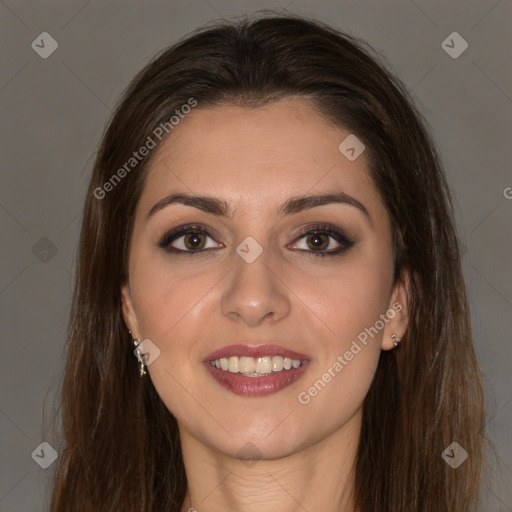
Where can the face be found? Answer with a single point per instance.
(261, 278)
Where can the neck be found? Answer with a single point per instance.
(319, 477)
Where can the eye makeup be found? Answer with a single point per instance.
(198, 233)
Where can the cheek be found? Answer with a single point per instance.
(350, 305)
(173, 312)
(337, 391)
(348, 300)
(164, 298)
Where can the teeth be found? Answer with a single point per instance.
(246, 365)
(264, 365)
(277, 363)
(233, 364)
(254, 367)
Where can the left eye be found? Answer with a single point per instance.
(323, 242)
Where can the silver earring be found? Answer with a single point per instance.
(396, 340)
(140, 357)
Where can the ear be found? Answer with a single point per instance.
(130, 318)
(398, 311)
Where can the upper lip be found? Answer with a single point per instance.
(254, 351)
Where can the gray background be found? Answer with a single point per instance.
(53, 112)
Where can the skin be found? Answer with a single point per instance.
(256, 159)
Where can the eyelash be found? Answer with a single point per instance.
(197, 229)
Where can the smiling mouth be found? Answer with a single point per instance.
(256, 366)
(251, 370)
(258, 378)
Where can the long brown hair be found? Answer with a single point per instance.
(120, 446)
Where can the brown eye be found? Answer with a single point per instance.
(188, 240)
(318, 241)
(194, 241)
(323, 240)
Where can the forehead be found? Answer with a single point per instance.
(257, 156)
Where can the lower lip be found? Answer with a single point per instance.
(256, 386)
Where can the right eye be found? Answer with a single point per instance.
(191, 239)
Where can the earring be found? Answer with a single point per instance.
(396, 340)
(140, 357)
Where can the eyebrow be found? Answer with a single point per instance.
(293, 205)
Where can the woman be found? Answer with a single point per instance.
(269, 311)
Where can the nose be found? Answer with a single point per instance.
(255, 292)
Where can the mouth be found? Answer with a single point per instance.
(255, 370)
(256, 366)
